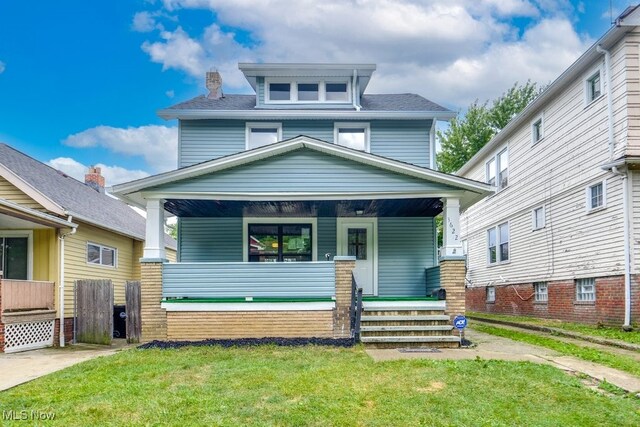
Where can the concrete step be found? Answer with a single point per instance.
(408, 318)
(410, 339)
(405, 328)
(404, 306)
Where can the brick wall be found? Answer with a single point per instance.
(68, 331)
(452, 279)
(342, 313)
(153, 317)
(608, 307)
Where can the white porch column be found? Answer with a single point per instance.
(452, 245)
(154, 237)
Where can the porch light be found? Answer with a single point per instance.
(359, 212)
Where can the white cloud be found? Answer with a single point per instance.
(143, 22)
(156, 144)
(2, 67)
(451, 51)
(112, 174)
(170, 93)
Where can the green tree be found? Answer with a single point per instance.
(171, 229)
(468, 134)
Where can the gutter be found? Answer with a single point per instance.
(191, 114)
(61, 284)
(354, 90)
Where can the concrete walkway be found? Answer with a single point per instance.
(19, 368)
(493, 347)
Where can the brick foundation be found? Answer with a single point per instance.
(608, 308)
(452, 279)
(68, 331)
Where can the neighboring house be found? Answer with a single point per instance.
(561, 237)
(43, 214)
(280, 195)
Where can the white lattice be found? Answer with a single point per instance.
(28, 336)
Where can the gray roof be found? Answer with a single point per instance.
(383, 102)
(75, 196)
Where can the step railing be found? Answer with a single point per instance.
(356, 308)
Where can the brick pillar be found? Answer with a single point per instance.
(452, 279)
(341, 314)
(153, 317)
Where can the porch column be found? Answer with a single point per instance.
(154, 237)
(452, 245)
(344, 266)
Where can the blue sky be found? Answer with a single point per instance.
(80, 82)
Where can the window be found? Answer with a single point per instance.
(498, 167)
(586, 289)
(279, 91)
(596, 196)
(536, 130)
(594, 87)
(14, 257)
(336, 92)
(101, 255)
(541, 291)
(352, 135)
(498, 243)
(491, 294)
(308, 92)
(538, 218)
(279, 242)
(261, 134)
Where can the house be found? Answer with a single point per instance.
(53, 231)
(561, 237)
(282, 195)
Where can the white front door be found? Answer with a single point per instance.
(357, 238)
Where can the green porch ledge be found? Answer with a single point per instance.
(242, 300)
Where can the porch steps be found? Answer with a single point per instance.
(394, 324)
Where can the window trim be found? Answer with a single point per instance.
(100, 264)
(587, 89)
(588, 196)
(492, 300)
(367, 132)
(260, 125)
(322, 90)
(534, 122)
(278, 220)
(534, 225)
(499, 260)
(496, 159)
(578, 284)
(537, 294)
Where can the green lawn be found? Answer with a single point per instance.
(313, 386)
(593, 330)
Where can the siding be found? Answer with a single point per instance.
(632, 76)
(302, 170)
(407, 141)
(319, 129)
(405, 248)
(11, 193)
(326, 237)
(554, 173)
(45, 255)
(202, 140)
(210, 239)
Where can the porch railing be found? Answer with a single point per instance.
(25, 295)
(248, 279)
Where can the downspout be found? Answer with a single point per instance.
(627, 246)
(607, 66)
(354, 90)
(61, 284)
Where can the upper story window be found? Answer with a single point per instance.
(596, 196)
(101, 255)
(538, 218)
(352, 135)
(498, 243)
(261, 134)
(537, 130)
(498, 167)
(307, 91)
(593, 87)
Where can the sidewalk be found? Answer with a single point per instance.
(498, 348)
(19, 368)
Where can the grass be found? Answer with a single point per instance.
(313, 386)
(624, 363)
(593, 330)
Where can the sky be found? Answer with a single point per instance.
(81, 81)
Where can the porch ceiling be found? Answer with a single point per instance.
(421, 207)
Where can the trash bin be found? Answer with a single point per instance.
(119, 321)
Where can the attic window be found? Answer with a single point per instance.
(307, 90)
(337, 92)
(280, 91)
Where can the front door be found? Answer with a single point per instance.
(357, 239)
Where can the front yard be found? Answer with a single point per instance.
(312, 386)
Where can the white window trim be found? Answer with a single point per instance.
(540, 119)
(537, 294)
(322, 90)
(29, 235)
(278, 220)
(101, 246)
(260, 125)
(493, 294)
(367, 132)
(587, 193)
(496, 159)
(591, 74)
(535, 226)
(578, 287)
(499, 261)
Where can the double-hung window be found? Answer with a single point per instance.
(498, 243)
(586, 290)
(261, 134)
(593, 87)
(596, 196)
(101, 255)
(541, 291)
(352, 135)
(538, 218)
(497, 170)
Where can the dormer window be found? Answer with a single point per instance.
(280, 91)
(337, 92)
(307, 91)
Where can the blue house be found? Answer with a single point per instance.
(288, 197)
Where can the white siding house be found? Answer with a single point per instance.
(561, 168)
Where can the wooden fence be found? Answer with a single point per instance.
(24, 295)
(94, 311)
(134, 324)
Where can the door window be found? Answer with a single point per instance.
(357, 243)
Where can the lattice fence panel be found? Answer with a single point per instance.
(28, 336)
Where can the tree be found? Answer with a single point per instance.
(467, 135)
(171, 229)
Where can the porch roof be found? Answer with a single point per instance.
(13, 215)
(302, 169)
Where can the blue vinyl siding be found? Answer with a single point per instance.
(259, 91)
(405, 248)
(326, 237)
(202, 140)
(319, 129)
(404, 140)
(303, 170)
(210, 239)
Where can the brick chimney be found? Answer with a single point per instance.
(214, 84)
(94, 179)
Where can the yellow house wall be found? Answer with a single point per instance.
(11, 193)
(45, 255)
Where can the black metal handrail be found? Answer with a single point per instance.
(355, 309)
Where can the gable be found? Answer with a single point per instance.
(303, 170)
(10, 192)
